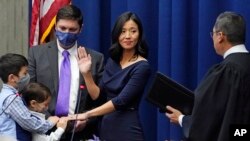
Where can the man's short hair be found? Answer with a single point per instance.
(70, 12)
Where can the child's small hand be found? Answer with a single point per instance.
(53, 119)
(62, 122)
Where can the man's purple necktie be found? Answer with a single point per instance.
(62, 104)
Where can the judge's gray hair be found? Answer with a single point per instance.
(233, 26)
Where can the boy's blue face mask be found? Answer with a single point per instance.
(67, 39)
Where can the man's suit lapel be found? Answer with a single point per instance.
(53, 55)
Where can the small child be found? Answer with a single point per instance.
(14, 115)
(37, 97)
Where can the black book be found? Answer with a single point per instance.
(165, 91)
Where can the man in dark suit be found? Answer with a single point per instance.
(47, 65)
(222, 99)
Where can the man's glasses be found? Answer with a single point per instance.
(212, 33)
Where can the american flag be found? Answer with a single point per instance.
(43, 19)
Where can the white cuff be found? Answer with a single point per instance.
(180, 119)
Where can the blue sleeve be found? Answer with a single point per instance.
(134, 89)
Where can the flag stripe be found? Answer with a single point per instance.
(47, 31)
(46, 6)
(43, 18)
(47, 18)
(34, 20)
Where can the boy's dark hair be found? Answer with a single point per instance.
(11, 64)
(70, 12)
(116, 49)
(35, 91)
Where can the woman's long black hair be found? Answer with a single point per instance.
(116, 50)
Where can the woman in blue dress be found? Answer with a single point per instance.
(124, 79)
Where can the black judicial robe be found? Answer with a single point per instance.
(221, 99)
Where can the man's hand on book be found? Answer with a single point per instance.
(173, 114)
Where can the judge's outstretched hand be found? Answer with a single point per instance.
(173, 114)
(84, 60)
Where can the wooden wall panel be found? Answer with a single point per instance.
(14, 26)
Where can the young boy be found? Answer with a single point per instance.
(13, 72)
(37, 98)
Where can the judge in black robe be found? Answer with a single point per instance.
(222, 99)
